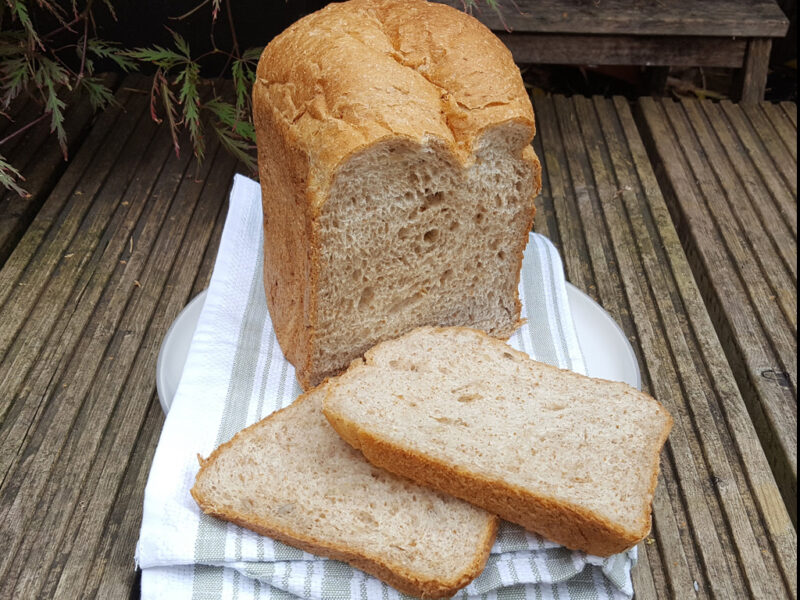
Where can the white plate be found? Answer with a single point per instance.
(175, 349)
(606, 350)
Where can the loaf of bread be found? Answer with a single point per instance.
(397, 178)
(292, 478)
(572, 458)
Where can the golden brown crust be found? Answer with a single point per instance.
(395, 575)
(569, 525)
(371, 70)
(376, 69)
(283, 172)
(565, 524)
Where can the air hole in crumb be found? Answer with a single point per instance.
(431, 236)
(479, 218)
(465, 398)
(494, 244)
(367, 295)
(501, 255)
(446, 276)
(498, 201)
(454, 225)
(403, 233)
(401, 304)
(431, 200)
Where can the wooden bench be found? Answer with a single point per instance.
(718, 523)
(129, 234)
(730, 174)
(722, 33)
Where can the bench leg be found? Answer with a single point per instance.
(657, 80)
(752, 80)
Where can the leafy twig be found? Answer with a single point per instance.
(9, 177)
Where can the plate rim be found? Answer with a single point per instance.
(179, 320)
(631, 353)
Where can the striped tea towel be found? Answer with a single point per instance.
(235, 374)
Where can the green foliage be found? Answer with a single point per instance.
(9, 177)
(31, 65)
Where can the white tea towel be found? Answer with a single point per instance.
(235, 375)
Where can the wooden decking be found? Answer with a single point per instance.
(128, 232)
(731, 178)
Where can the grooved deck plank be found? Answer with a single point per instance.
(730, 202)
(80, 347)
(719, 521)
(57, 503)
(786, 129)
(89, 290)
(790, 109)
(38, 157)
(87, 523)
(35, 307)
(781, 191)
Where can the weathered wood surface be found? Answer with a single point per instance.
(752, 79)
(721, 33)
(129, 234)
(717, 18)
(38, 156)
(719, 521)
(570, 49)
(730, 174)
(120, 245)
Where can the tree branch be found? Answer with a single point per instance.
(85, 42)
(10, 136)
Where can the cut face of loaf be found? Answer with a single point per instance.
(408, 237)
(397, 178)
(572, 458)
(292, 478)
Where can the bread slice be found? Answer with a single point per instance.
(292, 478)
(397, 178)
(572, 458)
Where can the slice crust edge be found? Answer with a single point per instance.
(399, 577)
(563, 522)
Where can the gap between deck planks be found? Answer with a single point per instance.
(730, 174)
(82, 384)
(718, 516)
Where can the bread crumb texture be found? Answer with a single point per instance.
(291, 477)
(397, 175)
(572, 458)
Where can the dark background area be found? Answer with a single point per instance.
(146, 22)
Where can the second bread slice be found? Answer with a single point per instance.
(292, 478)
(572, 458)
